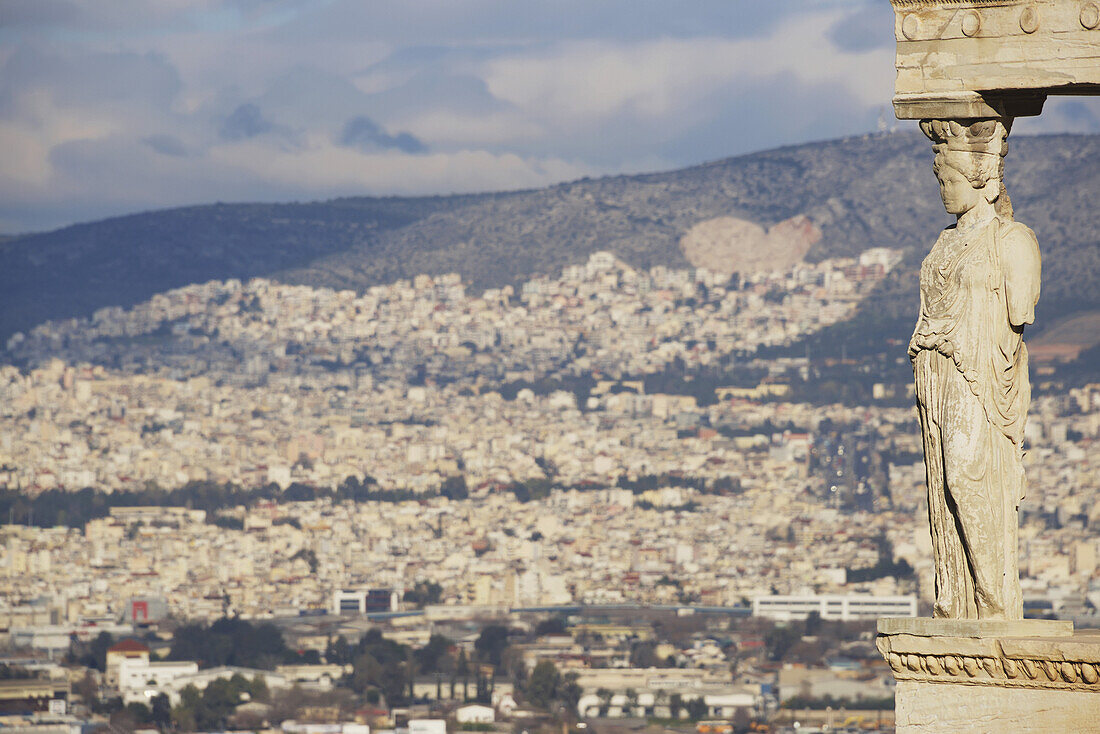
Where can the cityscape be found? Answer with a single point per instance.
(628, 367)
(436, 466)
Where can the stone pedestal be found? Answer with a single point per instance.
(969, 676)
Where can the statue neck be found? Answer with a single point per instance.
(981, 213)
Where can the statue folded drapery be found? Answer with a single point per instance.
(979, 286)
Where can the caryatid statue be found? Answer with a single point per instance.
(978, 289)
(966, 69)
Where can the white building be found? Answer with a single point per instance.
(843, 607)
(294, 727)
(140, 681)
(475, 714)
(427, 726)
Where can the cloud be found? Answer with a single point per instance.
(166, 145)
(364, 133)
(88, 78)
(667, 76)
(869, 27)
(1062, 115)
(117, 105)
(245, 122)
(480, 22)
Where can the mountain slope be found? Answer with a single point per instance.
(861, 192)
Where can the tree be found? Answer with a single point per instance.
(138, 711)
(462, 668)
(232, 642)
(423, 594)
(212, 708)
(569, 692)
(382, 664)
(779, 640)
(161, 711)
(675, 705)
(643, 655)
(604, 695)
(491, 643)
(697, 708)
(660, 698)
(515, 668)
(258, 689)
(631, 701)
(87, 688)
(338, 651)
(543, 683)
(551, 626)
(92, 654)
(454, 487)
(429, 657)
(183, 715)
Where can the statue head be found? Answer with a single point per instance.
(970, 162)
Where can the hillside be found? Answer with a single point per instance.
(859, 192)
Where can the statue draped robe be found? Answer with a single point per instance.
(978, 289)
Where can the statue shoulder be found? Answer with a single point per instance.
(1017, 236)
(1022, 267)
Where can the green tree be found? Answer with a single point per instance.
(697, 708)
(429, 656)
(454, 487)
(258, 689)
(92, 654)
(552, 626)
(643, 655)
(631, 701)
(366, 671)
(569, 691)
(183, 715)
(542, 684)
(660, 698)
(160, 713)
(423, 594)
(462, 669)
(382, 664)
(232, 642)
(604, 695)
(491, 643)
(139, 711)
(338, 651)
(87, 689)
(779, 640)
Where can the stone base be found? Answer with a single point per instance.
(963, 709)
(992, 676)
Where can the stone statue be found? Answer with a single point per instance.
(978, 286)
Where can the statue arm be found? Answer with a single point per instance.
(1022, 266)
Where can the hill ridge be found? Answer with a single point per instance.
(861, 192)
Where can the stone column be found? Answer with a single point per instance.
(966, 69)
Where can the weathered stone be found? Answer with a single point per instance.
(969, 709)
(979, 286)
(966, 59)
(1046, 662)
(981, 628)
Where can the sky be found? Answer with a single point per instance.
(109, 107)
